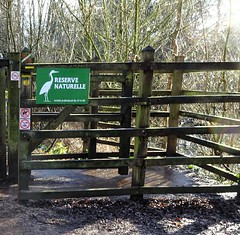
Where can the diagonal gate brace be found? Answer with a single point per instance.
(54, 123)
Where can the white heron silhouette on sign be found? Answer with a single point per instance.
(47, 86)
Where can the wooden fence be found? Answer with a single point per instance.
(129, 123)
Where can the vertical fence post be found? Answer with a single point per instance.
(3, 157)
(25, 93)
(93, 124)
(174, 108)
(26, 78)
(85, 140)
(126, 113)
(23, 175)
(142, 119)
(13, 119)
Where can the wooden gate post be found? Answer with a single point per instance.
(13, 118)
(126, 113)
(26, 77)
(24, 154)
(174, 108)
(3, 157)
(142, 119)
(94, 92)
(92, 149)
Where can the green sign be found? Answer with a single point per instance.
(62, 86)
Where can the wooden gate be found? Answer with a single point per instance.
(132, 114)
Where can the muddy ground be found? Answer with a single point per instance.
(162, 214)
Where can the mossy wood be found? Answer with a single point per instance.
(131, 162)
(102, 192)
(211, 144)
(173, 119)
(211, 118)
(3, 152)
(13, 118)
(126, 114)
(46, 117)
(117, 92)
(142, 120)
(157, 67)
(99, 155)
(132, 132)
(92, 142)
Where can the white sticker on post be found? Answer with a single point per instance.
(15, 75)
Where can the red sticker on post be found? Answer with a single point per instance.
(25, 119)
(25, 113)
(24, 124)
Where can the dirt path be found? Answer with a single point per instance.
(106, 178)
(165, 214)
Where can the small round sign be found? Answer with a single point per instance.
(25, 113)
(24, 124)
(15, 75)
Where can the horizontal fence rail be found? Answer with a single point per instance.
(158, 67)
(102, 192)
(150, 101)
(115, 163)
(131, 132)
(210, 118)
